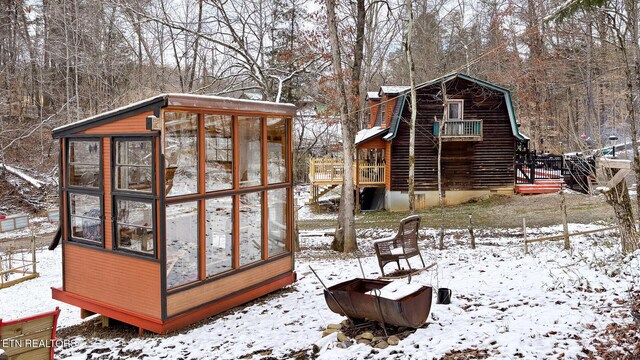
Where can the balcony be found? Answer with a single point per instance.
(459, 130)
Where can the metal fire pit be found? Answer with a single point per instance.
(410, 311)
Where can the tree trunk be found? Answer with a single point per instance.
(441, 131)
(345, 235)
(619, 199)
(412, 125)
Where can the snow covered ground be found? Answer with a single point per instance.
(508, 304)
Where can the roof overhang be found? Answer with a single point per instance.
(365, 135)
(179, 100)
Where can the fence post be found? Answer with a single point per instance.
(33, 253)
(524, 236)
(565, 226)
(473, 238)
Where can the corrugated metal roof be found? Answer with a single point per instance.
(372, 95)
(393, 89)
(368, 134)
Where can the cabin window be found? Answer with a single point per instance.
(250, 146)
(84, 163)
(455, 108)
(182, 243)
(134, 165)
(380, 118)
(219, 152)
(250, 228)
(277, 226)
(85, 212)
(134, 226)
(181, 153)
(219, 242)
(276, 150)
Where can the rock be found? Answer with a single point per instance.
(342, 337)
(344, 344)
(345, 323)
(334, 326)
(366, 335)
(393, 340)
(382, 345)
(364, 341)
(377, 338)
(328, 332)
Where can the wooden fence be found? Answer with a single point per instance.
(16, 267)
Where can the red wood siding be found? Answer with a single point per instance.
(118, 280)
(106, 171)
(133, 124)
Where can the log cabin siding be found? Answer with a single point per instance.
(466, 165)
(122, 281)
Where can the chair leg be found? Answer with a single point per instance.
(421, 259)
(408, 264)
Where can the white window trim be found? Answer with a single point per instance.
(460, 109)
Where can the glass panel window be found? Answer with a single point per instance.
(182, 243)
(250, 146)
(219, 243)
(134, 226)
(219, 156)
(181, 153)
(133, 168)
(250, 228)
(276, 150)
(84, 163)
(455, 112)
(277, 221)
(86, 217)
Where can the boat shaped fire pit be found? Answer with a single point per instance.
(398, 304)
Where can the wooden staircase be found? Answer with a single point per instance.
(541, 186)
(319, 191)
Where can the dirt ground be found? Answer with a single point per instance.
(495, 212)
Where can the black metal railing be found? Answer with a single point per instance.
(532, 166)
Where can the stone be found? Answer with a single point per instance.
(345, 323)
(334, 326)
(381, 345)
(366, 335)
(328, 332)
(343, 337)
(364, 341)
(393, 340)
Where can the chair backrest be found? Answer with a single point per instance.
(408, 231)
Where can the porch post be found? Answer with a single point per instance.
(357, 180)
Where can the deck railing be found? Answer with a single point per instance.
(330, 171)
(460, 130)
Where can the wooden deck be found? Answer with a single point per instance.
(326, 171)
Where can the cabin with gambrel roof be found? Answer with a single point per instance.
(480, 138)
